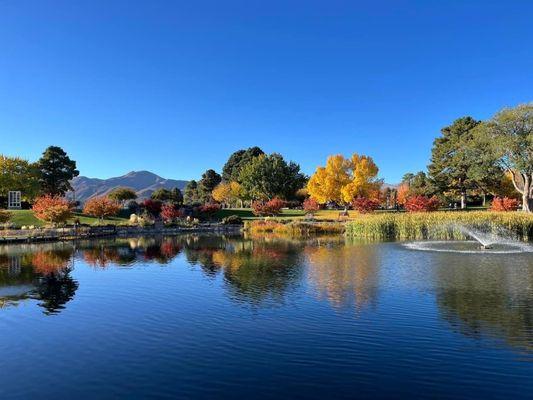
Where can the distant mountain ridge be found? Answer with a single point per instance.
(143, 182)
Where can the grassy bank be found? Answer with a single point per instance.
(26, 218)
(439, 225)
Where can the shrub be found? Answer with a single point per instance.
(169, 212)
(311, 205)
(504, 204)
(52, 209)
(419, 203)
(5, 216)
(271, 207)
(209, 209)
(365, 205)
(294, 228)
(153, 207)
(232, 220)
(101, 207)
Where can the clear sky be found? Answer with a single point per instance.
(175, 87)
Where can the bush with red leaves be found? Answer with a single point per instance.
(365, 205)
(53, 209)
(153, 207)
(311, 205)
(421, 204)
(169, 212)
(269, 208)
(504, 204)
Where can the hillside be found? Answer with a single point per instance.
(143, 182)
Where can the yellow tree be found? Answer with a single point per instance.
(342, 180)
(222, 193)
(327, 182)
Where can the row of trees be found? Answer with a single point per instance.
(484, 157)
(248, 175)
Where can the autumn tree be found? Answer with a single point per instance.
(101, 207)
(508, 136)
(122, 194)
(56, 171)
(342, 180)
(170, 212)
(5, 216)
(18, 174)
(52, 209)
(232, 169)
(269, 176)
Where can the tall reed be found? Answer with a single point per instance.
(440, 225)
(293, 227)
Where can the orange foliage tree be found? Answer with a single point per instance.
(52, 209)
(504, 204)
(402, 193)
(421, 203)
(101, 207)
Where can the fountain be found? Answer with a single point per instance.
(484, 241)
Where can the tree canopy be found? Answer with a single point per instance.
(173, 196)
(18, 174)
(56, 171)
(123, 194)
(232, 169)
(269, 176)
(191, 194)
(342, 180)
(210, 180)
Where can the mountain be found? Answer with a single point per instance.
(143, 182)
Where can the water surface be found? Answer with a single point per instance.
(231, 317)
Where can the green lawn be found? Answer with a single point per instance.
(26, 218)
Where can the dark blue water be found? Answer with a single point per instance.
(227, 317)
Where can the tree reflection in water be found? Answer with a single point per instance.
(43, 275)
(344, 273)
(488, 297)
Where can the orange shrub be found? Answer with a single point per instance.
(271, 207)
(504, 204)
(101, 207)
(52, 209)
(311, 205)
(421, 204)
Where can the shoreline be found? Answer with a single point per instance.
(71, 233)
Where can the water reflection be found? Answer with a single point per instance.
(477, 295)
(40, 273)
(488, 297)
(346, 274)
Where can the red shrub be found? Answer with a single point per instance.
(365, 205)
(421, 204)
(311, 205)
(271, 207)
(53, 209)
(153, 207)
(504, 204)
(169, 212)
(101, 207)
(209, 208)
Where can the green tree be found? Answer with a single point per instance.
(232, 168)
(509, 137)
(123, 194)
(269, 176)
(18, 174)
(173, 196)
(450, 162)
(191, 194)
(210, 180)
(56, 171)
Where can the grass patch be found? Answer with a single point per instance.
(26, 218)
(439, 225)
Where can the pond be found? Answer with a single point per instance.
(234, 317)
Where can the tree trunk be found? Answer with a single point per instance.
(463, 200)
(527, 198)
(484, 199)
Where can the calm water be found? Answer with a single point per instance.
(229, 317)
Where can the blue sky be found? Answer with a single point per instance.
(175, 87)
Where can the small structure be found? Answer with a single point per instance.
(14, 200)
